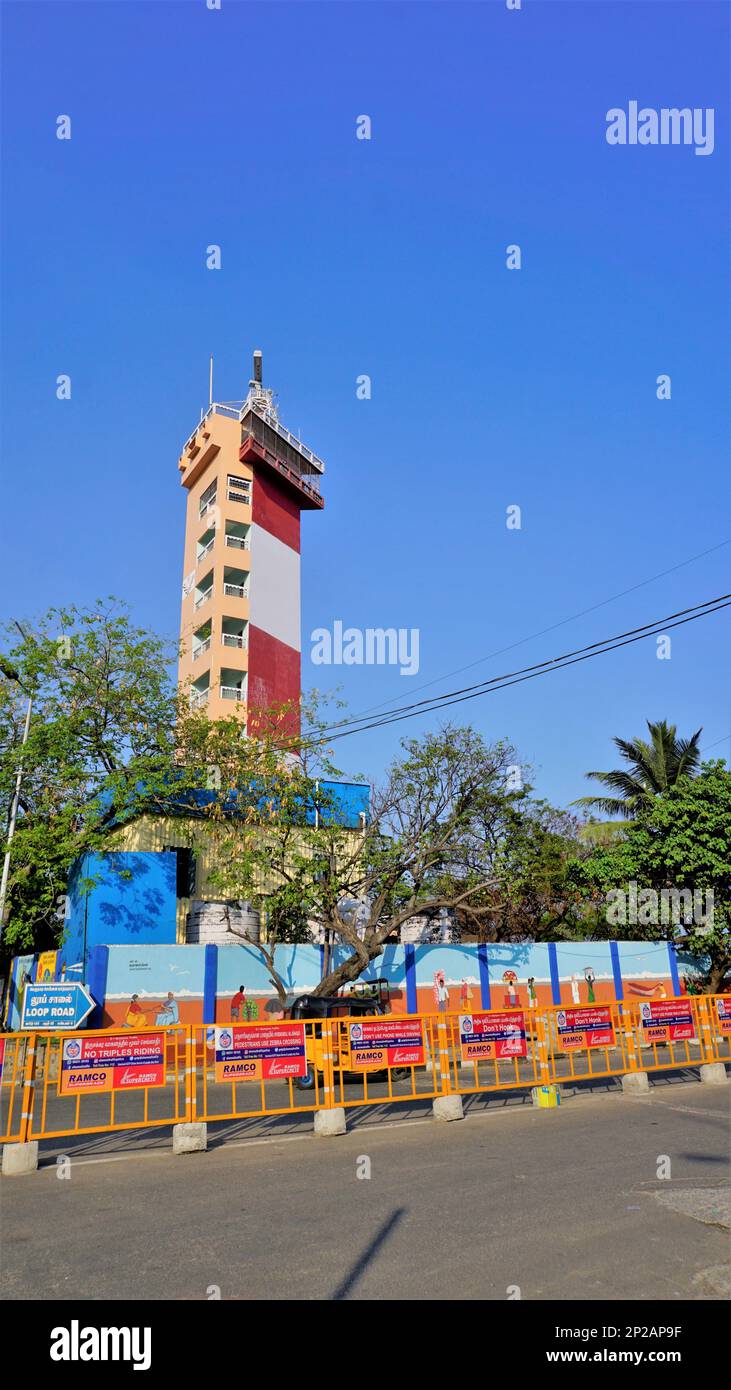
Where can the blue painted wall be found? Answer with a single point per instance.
(131, 899)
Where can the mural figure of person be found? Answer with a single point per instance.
(510, 997)
(169, 1012)
(135, 1015)
(441, 993)
(532, 995)
(575, 995)
(590, 978)
(465, 997)
(238, 1002)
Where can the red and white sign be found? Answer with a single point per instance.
(112, 1063)
(667, 1020)
(590, 1027)
(387, 1042)
(491, 1035)
(256, 1052)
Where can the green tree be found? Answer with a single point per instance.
(422, 847)
(101, 743)
(653, 767)
(679, 845)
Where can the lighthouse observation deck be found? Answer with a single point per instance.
(264, 441)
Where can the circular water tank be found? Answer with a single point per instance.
(222, 923)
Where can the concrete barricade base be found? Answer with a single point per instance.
(19, 1159)
(448, 1108)
(330, 1122)
(190, 1138)
(713, 1074)
(635, 1083)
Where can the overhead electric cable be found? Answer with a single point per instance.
(655, 628)
(531, 637)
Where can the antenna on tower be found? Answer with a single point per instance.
(210, 383)
(256, 380)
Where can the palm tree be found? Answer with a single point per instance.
(653, 768)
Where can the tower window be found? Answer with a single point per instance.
(239, 489)
(207, 499)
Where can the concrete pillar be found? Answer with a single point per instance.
(190, 1138)
(713, 1074)
(330, 1122)
(20, 1158)
(448, 1108)
(635, 1083)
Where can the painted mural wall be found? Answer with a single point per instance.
(143, 985)
(157, 984)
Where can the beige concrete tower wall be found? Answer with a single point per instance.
(211, 455)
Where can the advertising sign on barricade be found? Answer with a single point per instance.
(723, 1014)
(256, 1053)
(489, 1036)
(667, 1020)
(387, 1042)
(584, 1028)
(112, 1063)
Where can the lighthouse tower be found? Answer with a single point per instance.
(247, 479)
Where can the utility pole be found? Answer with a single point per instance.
(16, 798)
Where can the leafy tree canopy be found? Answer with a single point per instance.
(653, 766)
(680, 842)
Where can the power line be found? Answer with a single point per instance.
(557, 666)
(434, 701)
(622, 639)
(500, 651)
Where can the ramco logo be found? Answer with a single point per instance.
(284, 1069)
(76, 1343)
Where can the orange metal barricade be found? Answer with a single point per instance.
(52, 1112)
(333, 1077)
(574, 1056)
(714, 1017)
(525, 1067)
(215, 1098)
(663, 1054)
(13, 1122)
(544, 1046)
(380, 1084)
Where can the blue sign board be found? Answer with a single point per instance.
(56, 1006)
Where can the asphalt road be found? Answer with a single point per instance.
(563, 1204)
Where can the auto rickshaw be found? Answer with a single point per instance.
(319, 1007)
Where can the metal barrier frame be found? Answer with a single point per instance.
(32, 1070)
(42, 1081)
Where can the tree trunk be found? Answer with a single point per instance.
(715, 979)
(349, 970)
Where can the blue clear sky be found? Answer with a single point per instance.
(387, 257)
